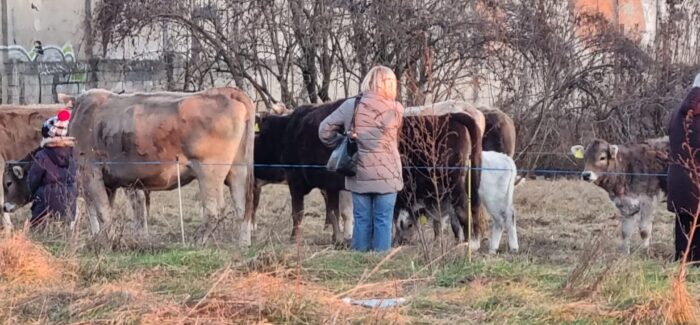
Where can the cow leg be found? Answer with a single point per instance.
(297, 210)
(326, 222)
(513, 246)
(627, 229)
(239, 179)
(346, 213)
(211, 180)
(461, 216)
(92, 218)
(147, 197)
(629, 208)
(112, 196)
(437, 228)
(137, 198)
(6, 223)
(332, 212)
(256, 202)
(6, 220)
(498, 219)
(97, 199)
(646, 219)
(457, 229)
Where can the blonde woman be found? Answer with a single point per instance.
(378, 178)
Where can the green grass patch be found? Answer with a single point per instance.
(349, 266)
(177, 263)
(457, 273)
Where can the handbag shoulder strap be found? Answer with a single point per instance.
(354, 113)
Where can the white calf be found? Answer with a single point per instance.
(496, 193)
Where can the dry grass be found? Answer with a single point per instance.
(558, 223)
(262, 298)
(681, 307)
(24, 262)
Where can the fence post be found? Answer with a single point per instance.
(179, 198)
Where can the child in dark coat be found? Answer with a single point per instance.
(52, 175)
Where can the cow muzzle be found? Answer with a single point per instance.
(589, 176)
(9, 207)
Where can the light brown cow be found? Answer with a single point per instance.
(447, 107)
(20, 133)
(210, 132)
(633, 175)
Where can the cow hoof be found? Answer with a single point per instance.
(245, 243)
(201, 236)
(342, 245)
(493, 251)
(513, 250)
(624, 249)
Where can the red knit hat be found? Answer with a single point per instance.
(63, 115)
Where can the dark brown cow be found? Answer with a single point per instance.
(634, 175)
(499, 134)
(20, 133)
(303, 147)
(440, 142)
(211, 132)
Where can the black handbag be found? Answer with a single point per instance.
(343, 160)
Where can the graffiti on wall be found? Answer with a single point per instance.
(48, 59)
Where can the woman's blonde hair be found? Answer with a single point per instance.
(376, 80)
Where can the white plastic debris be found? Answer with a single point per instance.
(376, 303)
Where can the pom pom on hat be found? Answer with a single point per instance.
(63, 115)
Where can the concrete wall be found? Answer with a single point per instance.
(53, 22)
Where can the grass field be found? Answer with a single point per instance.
(568, 271)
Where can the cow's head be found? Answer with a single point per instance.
(15, 186)
(597, 158)
(406, 225)
(407, 219)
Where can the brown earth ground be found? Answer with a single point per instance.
(568, 270)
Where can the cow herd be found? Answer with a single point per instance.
(145, 142)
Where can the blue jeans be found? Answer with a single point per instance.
(373, 215)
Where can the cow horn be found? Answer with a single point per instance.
(577, 151)
(18, 171)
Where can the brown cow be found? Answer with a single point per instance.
(499, 134)
(20, 133)
(634, 175)
(210, 132)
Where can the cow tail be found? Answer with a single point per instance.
(475, 138)
(248, 155)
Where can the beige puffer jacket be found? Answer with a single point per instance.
(377, 127)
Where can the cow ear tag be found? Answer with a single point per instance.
(257, 128)
(577, 151)
(423, 219)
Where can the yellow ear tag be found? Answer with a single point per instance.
(257, 128)
(423, 219)
(578, 154)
